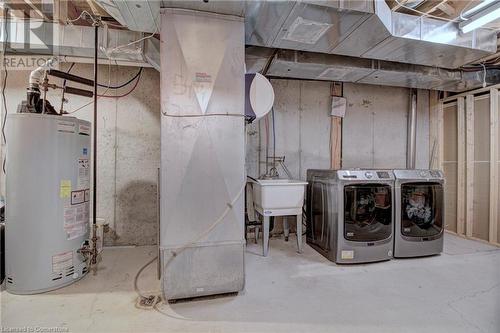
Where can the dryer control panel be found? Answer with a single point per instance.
(419, 174)
(365, 174)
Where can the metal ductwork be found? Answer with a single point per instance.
(365, 28)
(73, 42)
(329, 67)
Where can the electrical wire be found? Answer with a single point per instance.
(123, 84)
(82, 14)
(484, 75)
(126, 94)
(91, 102)
(132, 43)
(180, 249)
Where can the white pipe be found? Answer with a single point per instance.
(37, 74)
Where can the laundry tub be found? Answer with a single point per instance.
(279, 197)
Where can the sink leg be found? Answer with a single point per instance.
(299, 233)
(265, 236)
(286, 228)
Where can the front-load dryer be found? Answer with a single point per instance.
(419, 204)
(350, 214)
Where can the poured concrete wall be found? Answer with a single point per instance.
(374, 128)
(129, 138)
(128, 148)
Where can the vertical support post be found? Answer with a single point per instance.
(433, 142)
(436, 130)
(469, 125)
(94, 164)
(494, 142)
(265, 237)
(336, 142)
(411, 150)
(440, 133)
(299, 233)
(461, 144)
(336, 132)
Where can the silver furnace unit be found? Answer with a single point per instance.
(202, 154)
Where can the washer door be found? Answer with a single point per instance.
(367, 212)
(319, 227)
(421, 209)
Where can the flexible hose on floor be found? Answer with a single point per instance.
(149, 301)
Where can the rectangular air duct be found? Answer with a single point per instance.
(202, 153)
(361, 28)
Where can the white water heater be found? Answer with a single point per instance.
(47, 201)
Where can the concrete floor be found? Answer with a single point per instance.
(458, 291)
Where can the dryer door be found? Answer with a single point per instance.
(367, 212)
(421, 209)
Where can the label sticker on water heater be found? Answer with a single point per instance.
(77, 197)
(65, 127)
(76, 220)
(83, 174)
(65, 189)
(62, 261)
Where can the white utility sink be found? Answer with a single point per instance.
(279, 197)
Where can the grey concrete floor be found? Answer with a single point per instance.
(458, 291)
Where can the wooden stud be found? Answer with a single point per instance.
(461, 144)
(494, 142)
(336, 132)
(469, 204)
(336, 143)
(440, 125)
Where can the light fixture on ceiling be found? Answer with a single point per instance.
(477, 8)
(489, 11)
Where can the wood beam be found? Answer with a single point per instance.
(37, 10)
(430, 6)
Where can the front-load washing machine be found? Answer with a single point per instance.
(419, 213)
(350, 214)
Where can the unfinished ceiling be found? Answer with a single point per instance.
(401, 42)
(366, 29)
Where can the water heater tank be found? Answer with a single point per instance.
(47, 201)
